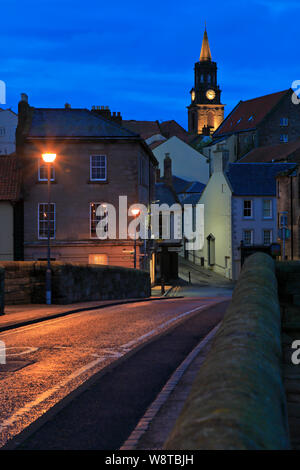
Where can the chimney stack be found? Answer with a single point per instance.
(168, 170)
(218, 159)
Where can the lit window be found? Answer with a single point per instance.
(284, 138)
(95, 219)
(98, 168)
(98, 259)
(248, 237)
(43, 171)
(267, 208)
(247, 209)
(267, 237)
(43, 216)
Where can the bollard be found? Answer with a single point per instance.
(162, 286)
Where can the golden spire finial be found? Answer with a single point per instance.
(205, 54)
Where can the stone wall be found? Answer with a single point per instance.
(25, 282)
(288, 275)
(238, 400)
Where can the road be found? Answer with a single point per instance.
(49, 360)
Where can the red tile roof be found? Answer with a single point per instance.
(248, 114)
(269, 153)
(145, 129)
(172, 128)
(10, 178)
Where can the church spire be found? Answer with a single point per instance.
(205, 54)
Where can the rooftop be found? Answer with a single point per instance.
(248, 114)
(10, 178)
(255, 179)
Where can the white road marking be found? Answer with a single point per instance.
(24, 350)
(43, 396)
(163, 325)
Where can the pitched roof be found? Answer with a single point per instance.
(164, 194)
(248, 114)
(255, 179)
(10, 178)
(205, 53)
(51, 122)
(145, 129)
(167, 129)
(276, 152)
(172, 128)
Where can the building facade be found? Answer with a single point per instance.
(8, 125)
(240, 208)
(11, 210)
(264, 121)
(288, 204)
(97, 161)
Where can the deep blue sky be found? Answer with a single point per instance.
(138, 56)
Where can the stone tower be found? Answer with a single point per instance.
(205, 113)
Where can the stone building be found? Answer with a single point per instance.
(97, 161)
(8, 124)
(288, 202)
(267, 120)
(11, 209)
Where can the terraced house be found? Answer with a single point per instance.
(97, 161)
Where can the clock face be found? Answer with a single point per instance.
(210, 94)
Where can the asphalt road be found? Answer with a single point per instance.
(57, 356)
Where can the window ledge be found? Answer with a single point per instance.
(97, 181)
(46, 182)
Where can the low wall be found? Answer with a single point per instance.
(25, 282)
(238, 400)
(1, 291)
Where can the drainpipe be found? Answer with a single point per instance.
(292, 217)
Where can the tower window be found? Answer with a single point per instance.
(209, 78)
(202, 78)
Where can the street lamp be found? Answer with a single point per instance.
(48, 159)
(135, 213)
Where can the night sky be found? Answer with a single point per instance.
(137, 57)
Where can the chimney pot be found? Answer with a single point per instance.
(24, 97)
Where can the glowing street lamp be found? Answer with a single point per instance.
(135, 213)
(48, 159)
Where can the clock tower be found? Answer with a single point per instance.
(205, 113)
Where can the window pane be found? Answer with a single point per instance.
(267, 237)
(95, 219)
(267, 208)
(247, 208)
(247, 237)
(98, 167)
(45, 215)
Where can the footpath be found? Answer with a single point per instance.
(21, 315)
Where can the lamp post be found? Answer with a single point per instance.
(135, 213)
(48, 159)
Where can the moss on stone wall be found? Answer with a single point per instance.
(237, 400)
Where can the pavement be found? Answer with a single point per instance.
(25, 314)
